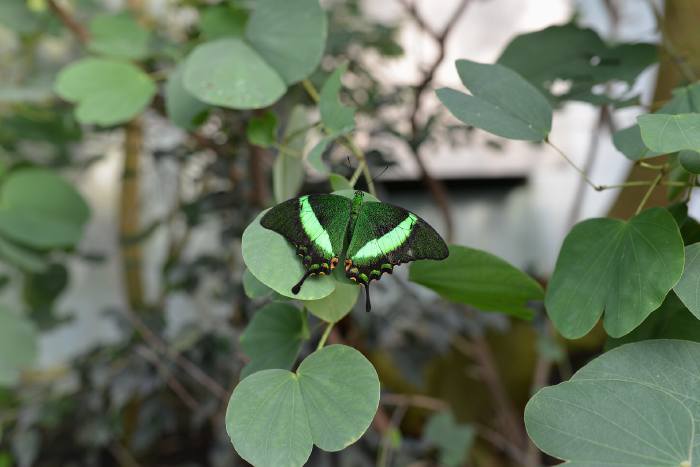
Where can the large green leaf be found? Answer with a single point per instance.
(21, 257)
(290, 35)
(275, 417)
(635, 405)
(106, 91)
(479, 279)
(253, 288)
(229, 73)
(688, 288)
(18, 346)
(273, 338)
(288, 169)
(183, 109)
(223, 20)
(262, 130)
(336, 117)
(40, 209)
(273, 261)
(671, 133)
(502, 102)
(623, 268)
(452, 439)
(118, 36)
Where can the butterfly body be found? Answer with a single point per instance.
(369, 238)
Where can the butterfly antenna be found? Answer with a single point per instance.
(368, 305)
(297, 287)
(375, 177)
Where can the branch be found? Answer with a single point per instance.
(437, 189)
(70, 22)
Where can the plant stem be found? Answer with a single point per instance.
(572, 164)
(356, 176)
(653, 185)
(347, 141)
(325, 335)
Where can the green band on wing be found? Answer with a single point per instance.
(313, 227)
(387, 242)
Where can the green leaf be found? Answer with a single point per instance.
(275, 417)
(338, 182)
(288, 170)
(635, 405)
(336, 117)
(671, 320)
(629, 142)
(18, 346)
(453, 440)
(262, 130)
(273, 338)
(107, 92)
(183, 109)
(41, 210)
(273, 261)
(623, 268)
(690, 161)
(223, 21)
(671, 133)
(502, 102)
(688, 288)
(118, 36)
(315, 156)
(685, 99)
(479, 279)
(290, 36)
(253, 288)
(338, 304)
(23, 258)
(229, 73)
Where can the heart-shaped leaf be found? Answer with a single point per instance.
(273, 338)
(479, 279)
(671, 133)
(688, 288)
(41, 210)
(623, 268)
(223, 20)
(452, 439)
(635, 405)
(629, 142)
(336, 117)
(107, 92)
(229, 73)
(262, 130)
(289, 36)
(275, 417)
(253, 288)
(690, 161)
(183, 109)
(118, 36)
(18, 346)
(502, 102)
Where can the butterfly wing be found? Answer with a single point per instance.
(385, 236)
(316, 225)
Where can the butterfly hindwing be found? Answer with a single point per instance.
(316, 225)
(385, 236)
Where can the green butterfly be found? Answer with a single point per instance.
(371, 237)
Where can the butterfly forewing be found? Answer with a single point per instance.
(316, 225)
(385, 236)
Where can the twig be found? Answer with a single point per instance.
(649, 191)
(149, 355)
(190, 368)
(685, 69)
(384, 454)
(130, 214)
(324, 336)
(478, 349)
(437, 189)
(122, 455)
(78, 30)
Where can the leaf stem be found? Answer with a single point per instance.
(355, 176)
(325, 335)
(348, 142)
(572, 164)
(653, 185)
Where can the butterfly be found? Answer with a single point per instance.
(369, 237)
